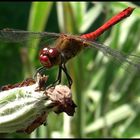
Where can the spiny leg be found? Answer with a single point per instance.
(67, 75)
(58, 80)
(63, 66)
(40, 71)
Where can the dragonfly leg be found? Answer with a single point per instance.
(40, 71)
(67, 75)
(58, 80)
(63, 67)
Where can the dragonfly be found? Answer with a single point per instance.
(58, 48)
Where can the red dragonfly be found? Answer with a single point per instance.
(59, 48)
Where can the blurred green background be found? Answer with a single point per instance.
(107, 96)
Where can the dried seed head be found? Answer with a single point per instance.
(25, 106)
(62, 98)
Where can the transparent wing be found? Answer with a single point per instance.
(21, 36)
(129, 62)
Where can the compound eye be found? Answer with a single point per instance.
(44, 51)
(45, 61)
(53, 52)
(49, 57)
(44, 58)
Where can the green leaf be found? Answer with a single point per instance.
(90, 17)
(122, 5)
(110, 118)
(39, 14)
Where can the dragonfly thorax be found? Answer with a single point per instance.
(49, 57)
(69, 47)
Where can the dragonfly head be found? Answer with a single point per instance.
(49, 57)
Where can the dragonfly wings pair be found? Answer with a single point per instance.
(129, 62)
